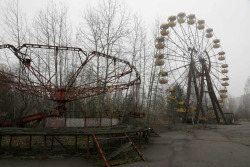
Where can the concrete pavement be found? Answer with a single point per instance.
(225, 145)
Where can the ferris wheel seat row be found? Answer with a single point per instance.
(164, 32)
(225, 79)
(170, 90)
(224, 71)
(159, 56)
(163, 74)
(163, 81)
(222, 58)
(224, 66)
(159, 63)
(221, 53)
(223, 95)
(223, 90)
(216, 45)
(225, 84)
(209, 35)
(184, 110)
(160, 46)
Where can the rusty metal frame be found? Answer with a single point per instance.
(60, 95)
(199, 103)
(213, 97)
(199, 93)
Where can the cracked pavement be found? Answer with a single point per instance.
(214, 146)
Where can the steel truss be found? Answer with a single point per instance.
(35, 81)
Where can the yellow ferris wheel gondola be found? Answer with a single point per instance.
(181, 110)
(224, 71)
(171, 97)
(223, 90)
(225, 84)
(221, 58)
(225, 79)
(224, 66)
(159, 56)
(170, 90)
(220, 100)
(160, 45)
(159, 63)
(164, 32)
(163, 81)
(181, 102)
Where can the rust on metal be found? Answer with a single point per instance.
(100, 150)
(41, 85)
(134, 147)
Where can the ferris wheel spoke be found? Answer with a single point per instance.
(176, 81)
(171, 55)
(178, 60)
(203, 35)
(180, 38)
(178, 46)
(185, 34)
(197, 38)
(209, 45)
(201, 42)
(213, 55)
(191, 33)
(219, 72)
(178, 53)
(171, 70)
(217, 63)
(215, 86)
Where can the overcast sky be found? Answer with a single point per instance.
(230, 20)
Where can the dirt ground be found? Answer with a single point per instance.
(183, 146)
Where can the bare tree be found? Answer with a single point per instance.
(246, 98)
(153, 80)
(230, 104)
(52, 27)
(105, 28)
(15, 23)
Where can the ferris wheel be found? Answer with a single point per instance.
(190, 57)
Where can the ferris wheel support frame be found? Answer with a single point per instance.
(213, 97)
(199, 95)
(199, 104)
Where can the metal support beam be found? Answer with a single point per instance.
(186, 105)
(87, 147)
(133, 145)
(0, 141)
(76, 142)
(100, 150)
(30, 142)
(199, 102)
(44, 146)
(10, 143)
(213, 97)
(139, 133)
(52, 143)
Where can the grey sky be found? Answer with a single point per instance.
(229, 19)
